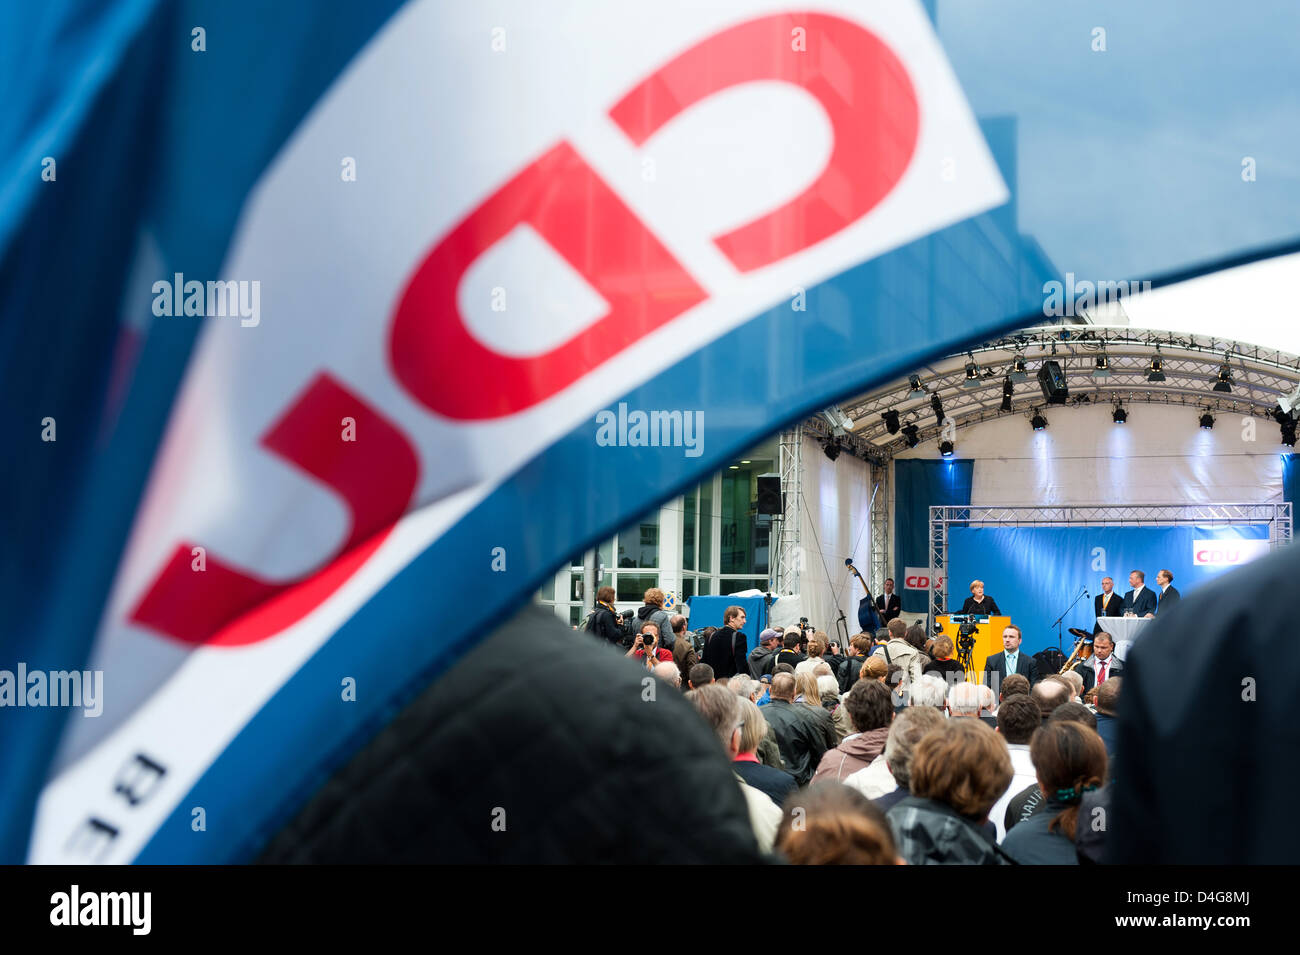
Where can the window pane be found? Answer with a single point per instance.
(704, 586)
(603, 552)
(708, 521)
(688, 588)
(575, 615)
(688, 530)
(744, 542)
(733, 585)
(634, 586)
(575, 588)
(547, 591)
(638, 546)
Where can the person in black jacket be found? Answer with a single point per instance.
(802, 734)
(571, 771)
(607, 624)
(1107, 603)
(1169, 595)
(727, 648)
(979, 602)
(888, 604)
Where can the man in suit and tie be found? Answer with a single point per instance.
(1168, 592)
(1001, 665)
(1140, 600)
(1103, 664)
(888, 604)
(1107, 603)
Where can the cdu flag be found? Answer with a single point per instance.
(329, 333)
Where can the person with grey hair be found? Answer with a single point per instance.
(802, 733)
(668, 672)
(749, 764)
(988, 706)
(767, 750)
(1049, 694)
(721, 709)
(931, 691)
(887, 779)
(965, 699)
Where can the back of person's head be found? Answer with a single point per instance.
(1108, 696)
(790, 640)
(831, 824)
(897, 629)
(1069, 760)
(1076, 682)
(1015, 684)
(605, 595)
(1049, 694)
(964, 765)
(882, 635)
(668, 672)
(932, 690)
(822, 669)
(769, 636)
(720, 709)
(782, 686)
(701, 675)
(904, 733)
(916, 636)
(827, 685)
(860, 642)
(873, 668)
(782, 668)
(870, 706)
(742, 685)
(755, 728)
(817, 644)
(678, 623)
(806, 686)
(964, 699)
(987, 700)
(655, 596)
(1073, 712)
(943, 647)
(1018, 717)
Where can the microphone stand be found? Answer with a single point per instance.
(1059, 642)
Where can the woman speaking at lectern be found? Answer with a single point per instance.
(980, 602)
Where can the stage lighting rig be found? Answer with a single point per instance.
(972, 373)
(1288, 432)
(1224, 383)
(1007, 390)
(1019, 373)
(1119, 415)
(1038, 422)
(937, 406)
(831, 447)
(1156, 367)
(891, 421)
(1102, 369)
(946, 448)
(1289, 403)
(1207, 421)
(914, 384)
(910, 433)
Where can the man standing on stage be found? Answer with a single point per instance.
(1139, 600)
(1106, 604)
(1001, 665)
(888, 604)
(1168, 592)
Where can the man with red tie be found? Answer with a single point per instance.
(1107, 603)
(1103, 664)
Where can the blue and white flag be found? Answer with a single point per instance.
(355, 323)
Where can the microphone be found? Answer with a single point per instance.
(1085, 593)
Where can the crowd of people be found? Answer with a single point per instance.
(883, 751)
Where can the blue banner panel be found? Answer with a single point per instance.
(708, 611)
(918, 486)
(1034, 572)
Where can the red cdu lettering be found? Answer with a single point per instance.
(560, 196)
(856, 78)
(375, 476)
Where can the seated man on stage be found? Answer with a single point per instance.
(1102, 665)
(1168, 592)
(1139, 600)
(1107, 603)
(1001, 665)
(979, 602)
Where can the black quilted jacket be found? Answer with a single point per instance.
(508, 758)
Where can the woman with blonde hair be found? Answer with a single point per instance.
(777, 783)
(806, 689)
(979, 601)
(873, 668)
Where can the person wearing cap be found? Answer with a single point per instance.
(763, 657)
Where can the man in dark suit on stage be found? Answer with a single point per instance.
(1000, 665)
(888, 604)
(1141, 600)
(1107, 603)
(1168, 592)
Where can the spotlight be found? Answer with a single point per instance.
(1007, 391)
(891, 421)
(1290, 402)
(1155, 369)
(1038, 422)
(1119, 415)
(1018, 372)
(945, 448)
(910, 433)
(1207, 421)
(914, 383)
(1102, 369)
(831, 446)
(937, 405)
(972, 373)
(1288, 433)
(1225, 376)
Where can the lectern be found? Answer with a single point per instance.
(988, 641)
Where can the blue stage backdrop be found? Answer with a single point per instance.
(1034, 572)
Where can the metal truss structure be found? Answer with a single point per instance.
(1277, 516)
(880, 555)
(788, 553)
(1191, 366)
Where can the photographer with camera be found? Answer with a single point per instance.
(645, 646)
